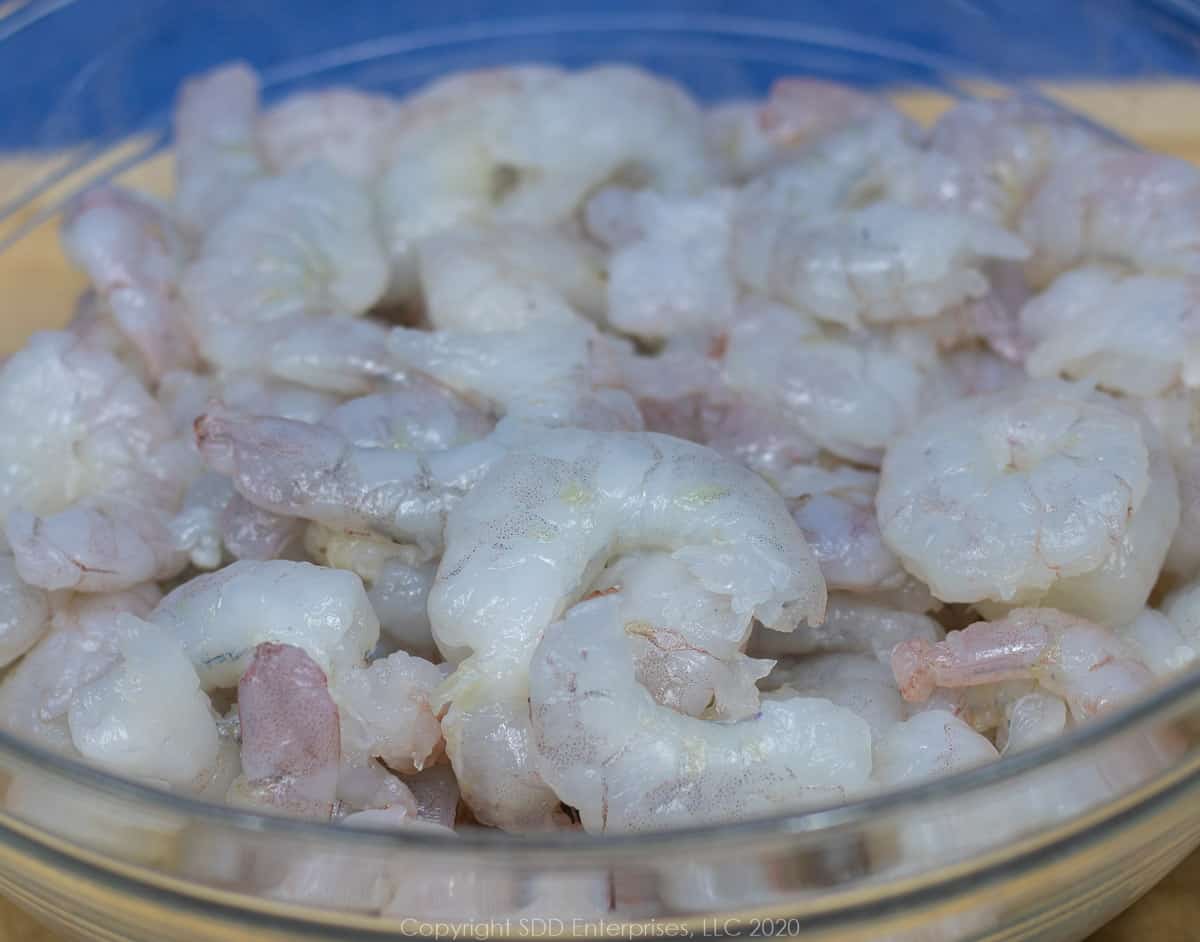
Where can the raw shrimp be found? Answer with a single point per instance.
(416, 414)
(1001, 149)
(851, 396)
(386, 713)
(1031, 719)
(1182, 610)
(132, 255)
(436, 794)
(290, 734)
(215, 522)
(348, 129)
(687, 641)
(297, 246)
(1133, 334)
(1085, 664)
(441, 169)
(851, 626)
(964, 373)
(222, 617)
(628, 764)
(187, 395)
(747, 137)
(499, 278)
(147, 717)
(637, 125)
(884, 263)
(858, 682)
(528, 541)
(216, 155)
(399, 593)
(24, 613)
(79, 435)
(1001, 496)
(835, 510)
(674, 276)
(929, 745)
(1110, 205)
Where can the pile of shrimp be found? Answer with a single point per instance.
(544, 450)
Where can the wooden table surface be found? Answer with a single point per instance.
(1157, 115)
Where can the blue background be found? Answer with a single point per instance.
(70, 71)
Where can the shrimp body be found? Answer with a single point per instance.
(1001, 495)
(628, 764)
(884, 263)
(132, 255)
(858, 682)
(531, 537)
(1085, 664)
(222, 617)
(24, 613)
(929, 744)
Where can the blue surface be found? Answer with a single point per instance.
(70, 71)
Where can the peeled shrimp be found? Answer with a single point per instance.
(628, 764)
(884, 263)
(858, 682)
(561, 507)
(1083, 663)
(348, 129)
(483, 279)
(80, 436)
(216, 156)
(216, 522)
(1110, 205)
(929, 745)
(222, 617)
(24, 613)
(399, 593)
(146, 717)
(290, 734)
(296, 246)
(130, 251)
(1178, 643)
(1001, 496)
(852, 397)
(1132, 334)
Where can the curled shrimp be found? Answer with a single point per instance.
(862, 266)
(1084, 663)
(927, 745)
(291, 742)
(216, 154)
(1003, 496)
(1119, 206)
(562, 505)
(498, 278)
(147, 716)
(81, 434)
(128, 247)
(296, 247)
(628, 764)
(858, 682)
(346, 128)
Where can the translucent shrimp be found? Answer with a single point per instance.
(435, 791)
(1031, 719)
(637, 125)
(562, 506)
(1002, 497)
(1132, 334)
(215, 522)
(399, 593)
(1000, 150)
(674, 276)
(290, 734)
(1182, 610)
(865, 266)
(1085, 664)
(929, 745)
(82, 644)
(216, 155)
(24, 613)
(79, 435)
(146, 717)
(187, 395)
(297, 246)
(441, 169)
(687, 641)
(858, 682)
(747, 137)
(852, 397)
(851, 626)
(344, 127)
(222, 617)
(483, 279)
(132, 255)
(628, 764)
(835, 510)
(964, 373)
(1114, 205)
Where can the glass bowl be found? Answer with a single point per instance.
(1048, 844)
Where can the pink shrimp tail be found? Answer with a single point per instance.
(913, 669)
